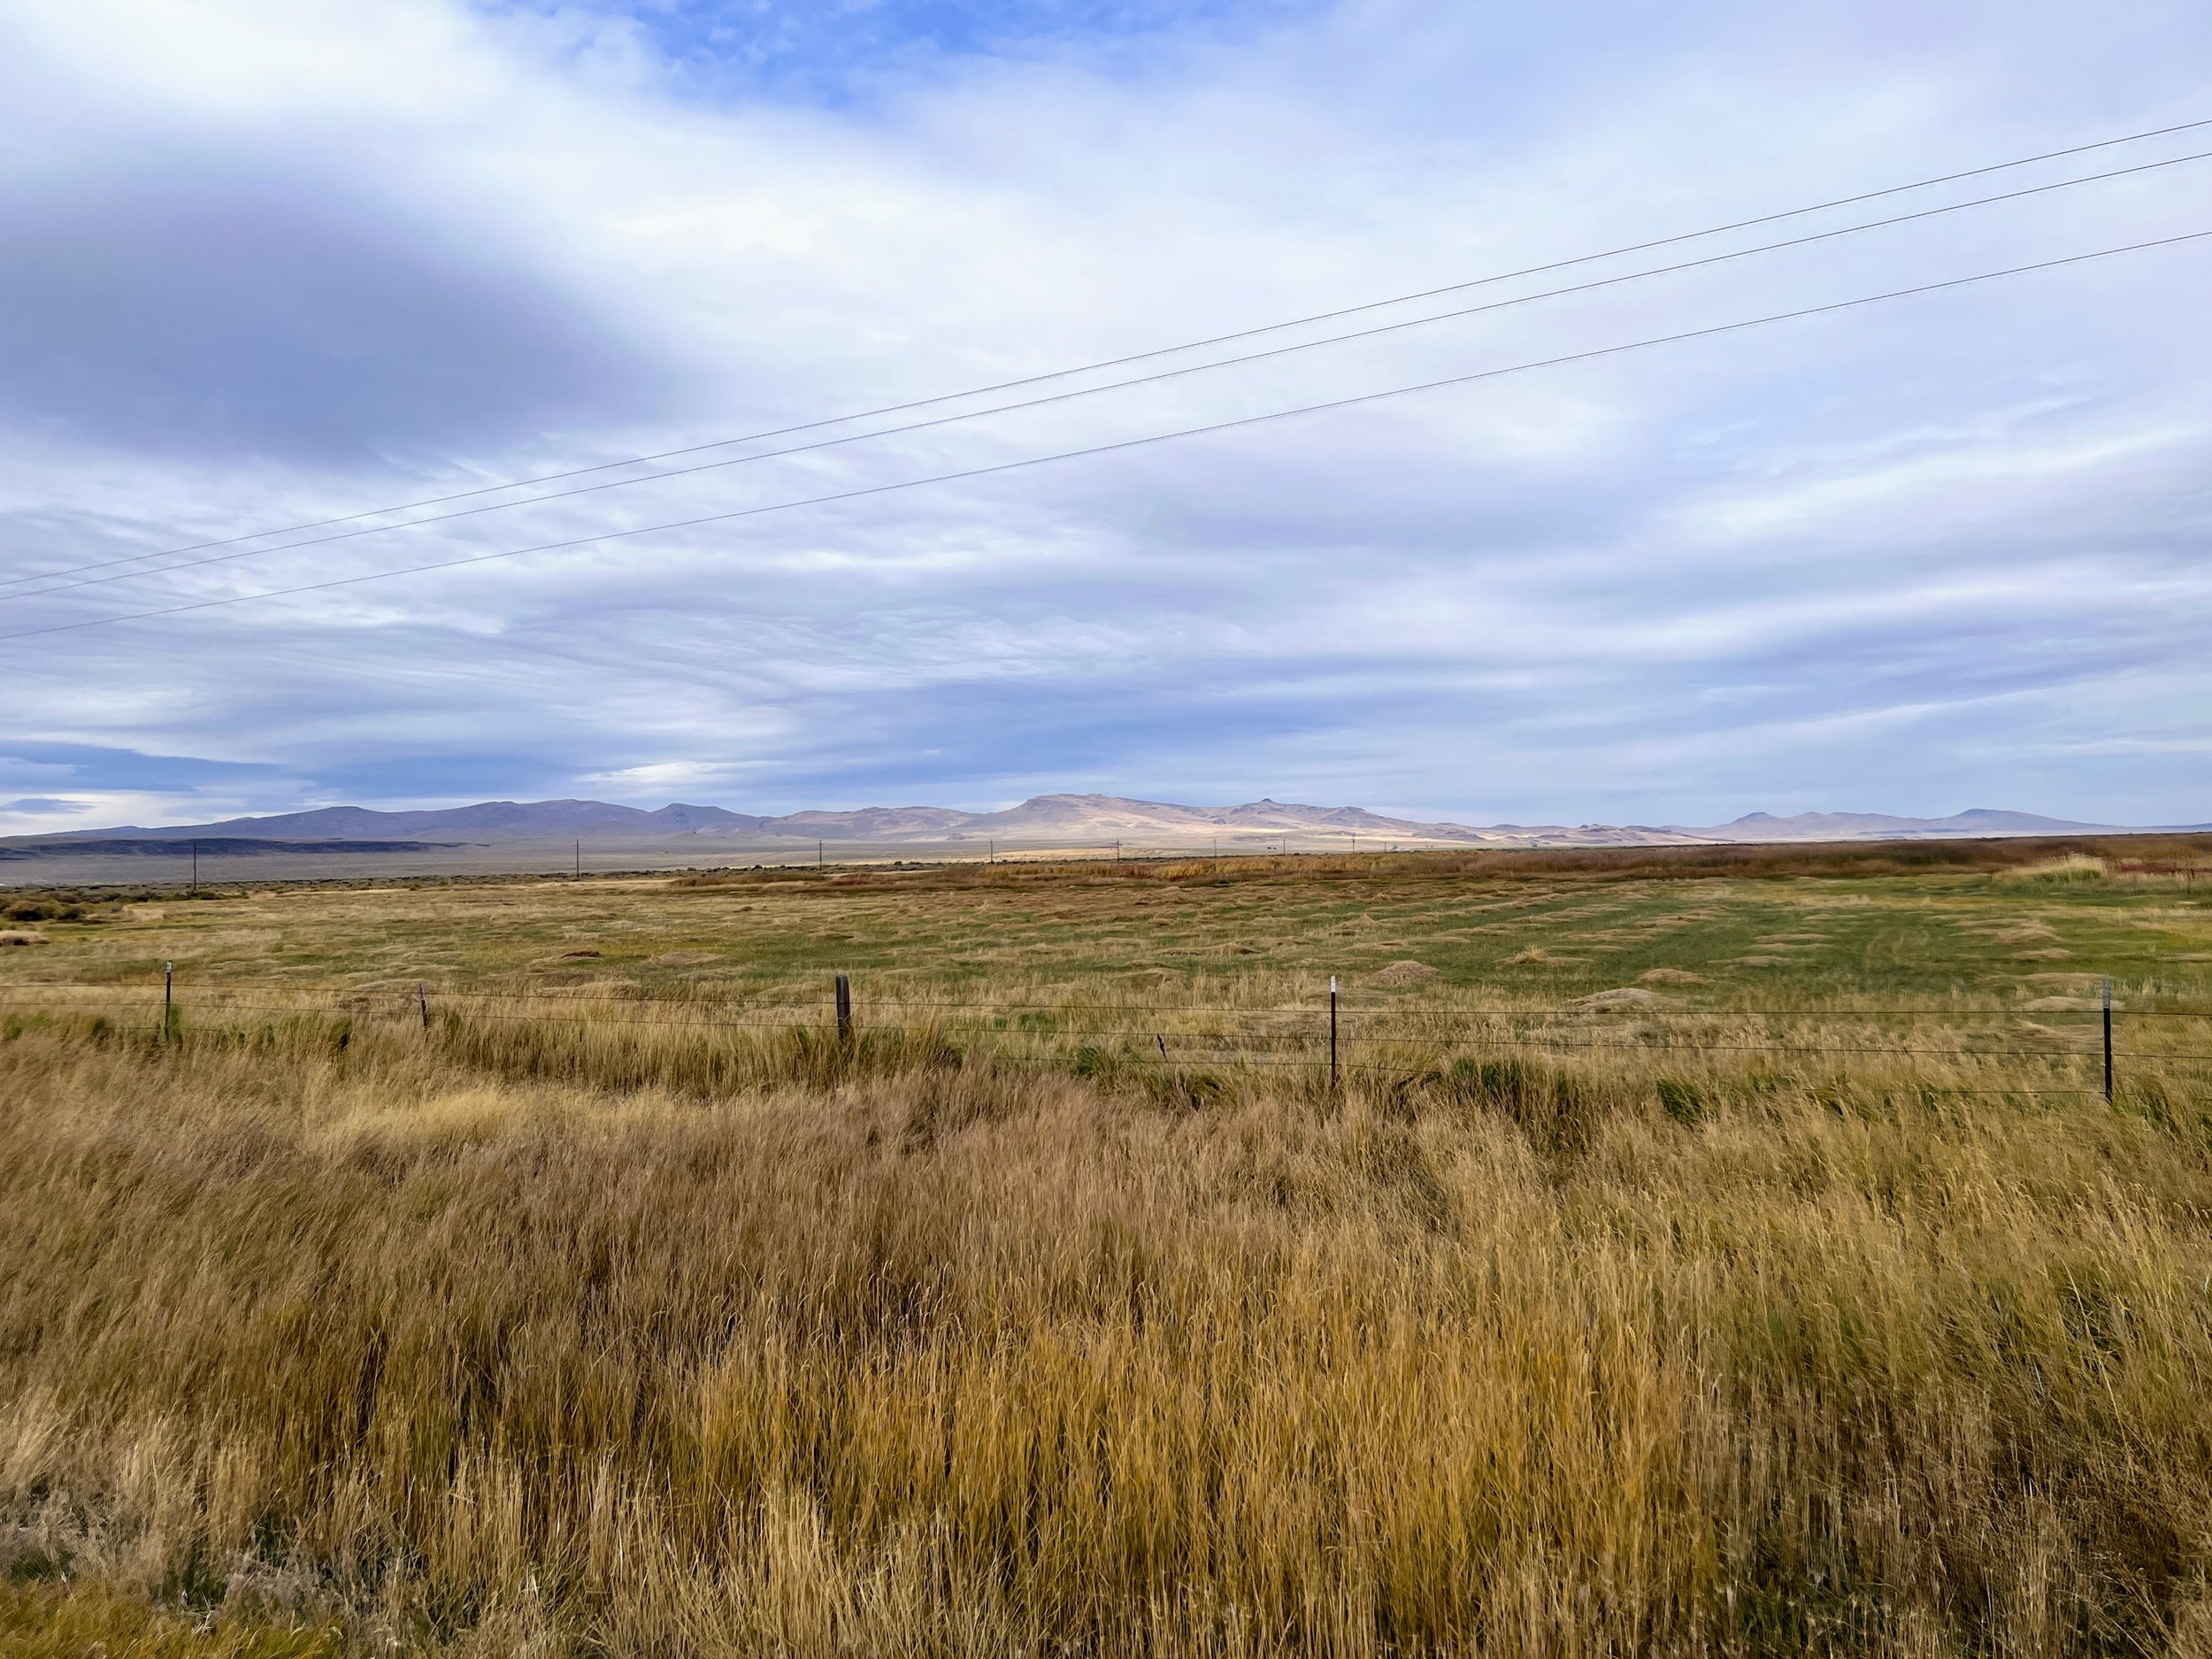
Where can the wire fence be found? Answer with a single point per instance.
(1364, 1038)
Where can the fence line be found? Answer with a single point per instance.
(1246, 1047)
(404, 1005)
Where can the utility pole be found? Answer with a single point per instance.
(579, 861)
(818, 855)
(195, 868)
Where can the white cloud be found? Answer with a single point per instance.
(1971, 506)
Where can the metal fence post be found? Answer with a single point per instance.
(2107, 1042)
(1332, 1073)
(168, 998)
(844, 1009)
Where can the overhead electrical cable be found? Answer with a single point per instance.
(1126, 443)
(1141, 357)
(1094, 391)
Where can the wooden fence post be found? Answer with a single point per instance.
(844, 1009)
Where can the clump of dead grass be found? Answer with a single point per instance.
(1402, 975)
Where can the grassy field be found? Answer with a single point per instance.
(1724, 1251)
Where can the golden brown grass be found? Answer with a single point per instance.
(966, 1357)
(991, 1332)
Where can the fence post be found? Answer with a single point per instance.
(844, 1009)
(422, 995)
(1332, 1076)
(2107, 1042)
(168, 998)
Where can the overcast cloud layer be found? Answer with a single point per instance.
(263, 263)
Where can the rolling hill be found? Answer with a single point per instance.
(1067, 819)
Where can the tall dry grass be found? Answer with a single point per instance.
(528, 1339)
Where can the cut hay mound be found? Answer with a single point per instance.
(1671, 976)
(13, 936)
(1627, 996)
(1400, 974)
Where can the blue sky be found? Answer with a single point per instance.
(263, 264)
(844, 52)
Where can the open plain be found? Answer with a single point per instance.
(1692, 1251)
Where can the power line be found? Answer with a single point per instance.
(1122, 444)
(1113, 386)
(1141, 357)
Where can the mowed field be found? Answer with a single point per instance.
(1724, 1251)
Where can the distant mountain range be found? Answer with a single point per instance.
(1067, 819)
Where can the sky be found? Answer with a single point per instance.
(269, 263)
